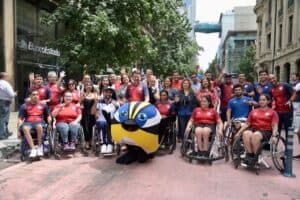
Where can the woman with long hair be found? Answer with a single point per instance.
(73, 89)
(208, 90)
(167, 86)
(185, 103)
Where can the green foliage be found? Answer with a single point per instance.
(212, 67)
(247, 63)
(150, 33)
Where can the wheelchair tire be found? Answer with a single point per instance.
(237, 149)
(57, 144)
(96, 141)
(50, 133)
(278, 154)
(173, 139)
(81, 140)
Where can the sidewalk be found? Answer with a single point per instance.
(12, 142)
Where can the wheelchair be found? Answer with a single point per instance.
(24, 146)
(268, 152)
(97, 141)
(57, 143)
(230, 133)
(168, 137)
(216, 149)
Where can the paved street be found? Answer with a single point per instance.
(165, 177)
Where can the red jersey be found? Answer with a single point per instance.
(136, 92)
(281, 96)
(55, 95)
(213, 95)
(34, 112)
(260, 119)
(177, 85)
(68, 113)
(44, 92)
(76, 96)
(205, 116)
(164, 108)
(226, 92)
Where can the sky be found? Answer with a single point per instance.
(209, 11)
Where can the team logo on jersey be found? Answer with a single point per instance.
(40, 107)
(280, 88)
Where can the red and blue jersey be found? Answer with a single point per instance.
(136, 92)
(55, 95)
(44, 92)
(34, 112)
(226, 93)
(266, 89)
(165, 109)
(262, 120)
(205, 116)
(239, 107)
(281, 95)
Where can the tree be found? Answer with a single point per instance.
(247, 63)
(212, 67)
(151, 33)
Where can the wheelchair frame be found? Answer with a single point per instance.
(216, 149)
(169, 137)
(278, 157)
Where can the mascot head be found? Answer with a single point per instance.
(137, 125)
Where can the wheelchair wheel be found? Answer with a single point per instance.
(57, 144)
(81, 141)
(187, 143)
(237, 149)
(96, 141)
(50, 135)
(172, 139)
(278, 154)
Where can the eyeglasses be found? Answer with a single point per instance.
(71, 84)
(34, 94)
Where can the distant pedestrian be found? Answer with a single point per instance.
(7, 95)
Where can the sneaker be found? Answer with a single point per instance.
(103, 148)
(33, 153)
(72, 146)
(109, 148)
(66, 147)
(40, 151)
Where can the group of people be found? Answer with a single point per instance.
(204, 103)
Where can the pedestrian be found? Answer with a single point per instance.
(7, 95)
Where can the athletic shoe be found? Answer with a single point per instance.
(40, 151)
(103, 148)
(33, 153)
(66, 147)
(72, 146)
(109, 148)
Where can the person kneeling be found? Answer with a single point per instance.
(205, 120)
(262, 123)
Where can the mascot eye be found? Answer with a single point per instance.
(142, 117)
(124, 113)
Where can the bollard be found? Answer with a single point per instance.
(288, 165)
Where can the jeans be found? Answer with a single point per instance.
(4, 117)
(182, 123)
(64, 128)
(106, 133)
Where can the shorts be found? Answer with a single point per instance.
(32, 125)
(212, 127)
(266, 134)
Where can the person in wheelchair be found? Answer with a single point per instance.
(167, 112)
(68, 116)
(262, 123)
(238, 110)
(205, 120)
(32, 115)
(104, 111)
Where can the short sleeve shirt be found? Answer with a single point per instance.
(203, 116)
(260, 119)
(68, 113)
(34, 112)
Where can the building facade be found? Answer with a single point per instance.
(278, 37)
(237, 34)
(24, 41)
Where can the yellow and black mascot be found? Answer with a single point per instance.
(136, 126)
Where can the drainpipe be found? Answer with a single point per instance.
(274, 45)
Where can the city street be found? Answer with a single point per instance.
(165, 177)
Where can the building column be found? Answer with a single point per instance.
(9, 39)
(282, 73)
(293, 67)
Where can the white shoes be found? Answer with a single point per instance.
(109, 148)
(103, 148)
(33, 153)
(40, 152)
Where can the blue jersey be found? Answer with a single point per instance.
(239, 108)
(265, 88)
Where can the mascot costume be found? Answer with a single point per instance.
(136, 126)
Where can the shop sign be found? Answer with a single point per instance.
(30, 46)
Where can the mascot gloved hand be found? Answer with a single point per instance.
(136, 126)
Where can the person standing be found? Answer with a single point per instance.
(7, 95)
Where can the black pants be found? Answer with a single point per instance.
(286, 120)
(182, 123)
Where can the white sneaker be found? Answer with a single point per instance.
(103, 148)
(33, 153)
(40, 151)
(109, 148)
